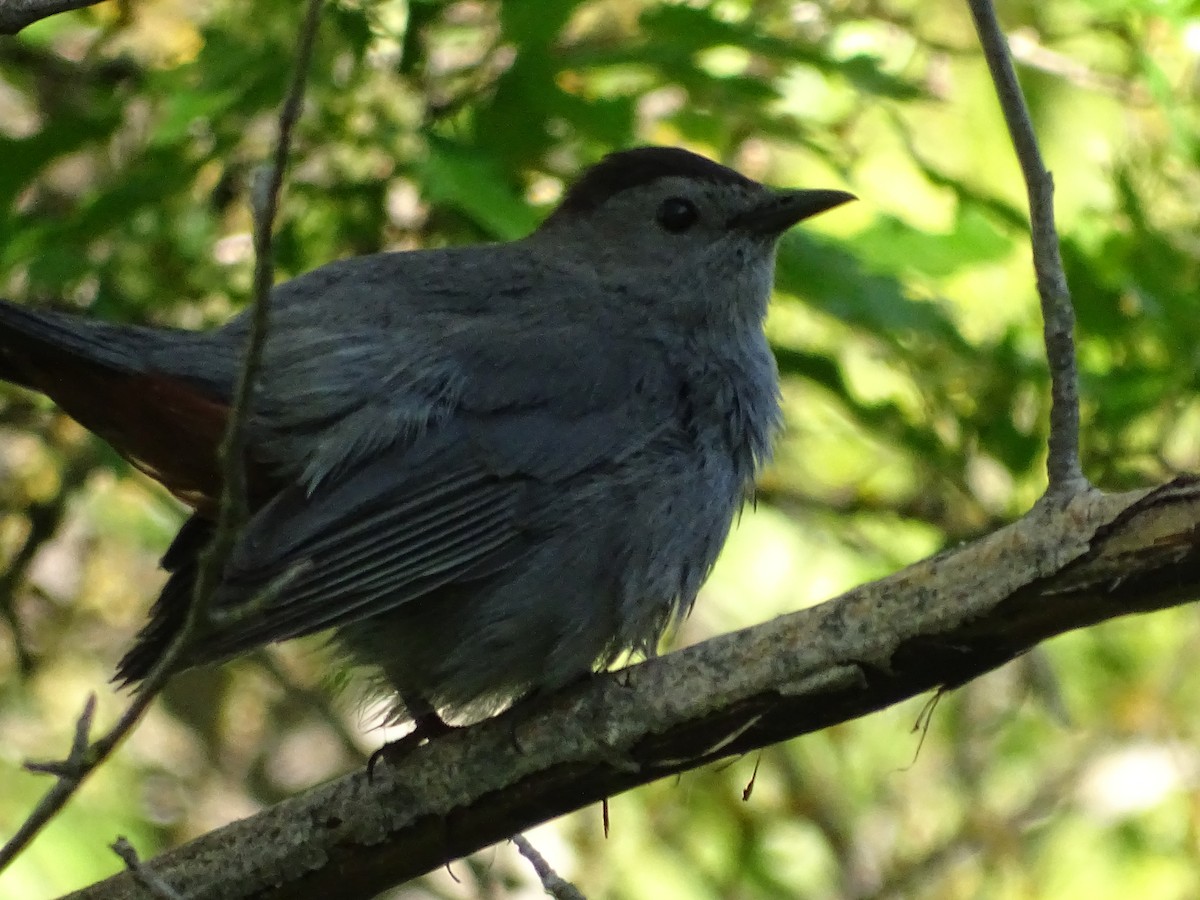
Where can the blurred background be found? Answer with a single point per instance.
(907, 332)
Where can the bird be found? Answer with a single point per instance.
(486, 470)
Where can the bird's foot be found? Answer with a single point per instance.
(426, 727)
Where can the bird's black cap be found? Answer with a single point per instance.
(627, 169)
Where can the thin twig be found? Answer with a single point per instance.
(264, 200)
(1063, 466)
(79, 745)
(148, 879)
(1028, 52)
(57, 796)
(79, 765)
(44, 519)
(18, 14)
(553, 883)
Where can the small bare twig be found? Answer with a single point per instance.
(749, 788)
(144, 876)
(44, 519)
(264, 200)
(1028, 52)
(553, 883)
(1063, 466)
(18, 14)
(58, 795)
(79, 745)
(82, 762)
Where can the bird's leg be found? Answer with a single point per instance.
(427, 725)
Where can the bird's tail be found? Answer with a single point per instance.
(33, 344)
(159, 396)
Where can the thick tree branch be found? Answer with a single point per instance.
(936, 624)
(1058, 316)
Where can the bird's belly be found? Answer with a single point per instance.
(620, 560)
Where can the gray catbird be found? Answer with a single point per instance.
(488, 468)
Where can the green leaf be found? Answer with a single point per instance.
(472, 183)
(830, 278)
(25, 157)
(535, 23)
(893, 245)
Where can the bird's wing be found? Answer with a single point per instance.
(384, 534)
(389, 531)
(565, 398)
(333, 399)
(449, 505)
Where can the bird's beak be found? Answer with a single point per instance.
(783, 209)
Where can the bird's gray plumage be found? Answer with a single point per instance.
(488, 467)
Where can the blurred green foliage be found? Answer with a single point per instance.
(907, 332)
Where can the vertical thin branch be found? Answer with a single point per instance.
(264, 199)
(85, 758)
(1058, 316)
(44, 520)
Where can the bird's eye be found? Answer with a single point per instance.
(677, 214)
